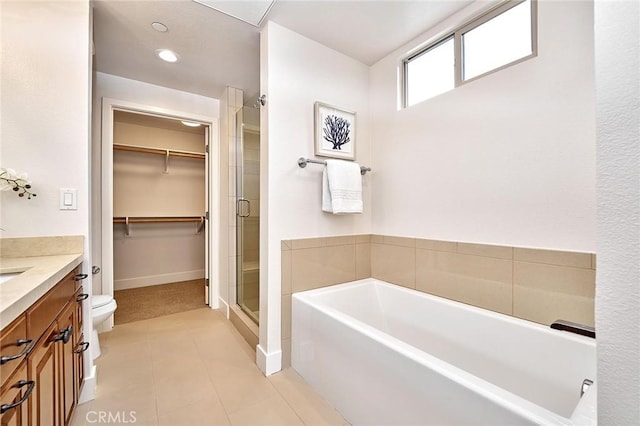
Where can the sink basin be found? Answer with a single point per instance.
(8, 275)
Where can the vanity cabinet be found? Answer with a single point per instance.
(14, 394)
(42, 355)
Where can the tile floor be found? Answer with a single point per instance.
(191, 369)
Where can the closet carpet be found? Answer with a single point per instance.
(142, 303)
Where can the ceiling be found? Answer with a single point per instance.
(216, 50)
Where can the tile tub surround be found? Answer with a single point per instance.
(319, 262)
(533, 284)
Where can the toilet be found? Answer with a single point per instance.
(102, 307)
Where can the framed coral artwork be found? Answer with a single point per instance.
(335, 132)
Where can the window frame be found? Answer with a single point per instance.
(457, 34)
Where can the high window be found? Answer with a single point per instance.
(502, 37)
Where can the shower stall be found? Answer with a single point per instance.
(248, 211)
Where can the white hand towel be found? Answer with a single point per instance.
(341, 187)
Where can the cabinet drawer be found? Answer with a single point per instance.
(42, 313)
(13, 346)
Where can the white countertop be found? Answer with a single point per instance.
(40, 274)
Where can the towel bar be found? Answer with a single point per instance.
(302, 163)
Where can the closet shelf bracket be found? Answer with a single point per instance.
(166, 162)
(127, 227)
(200, 225)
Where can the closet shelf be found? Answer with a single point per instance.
(156, 219)
(159, 151)
(127, 220)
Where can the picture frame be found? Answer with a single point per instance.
(335, 132)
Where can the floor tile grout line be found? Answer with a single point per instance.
(284, 398)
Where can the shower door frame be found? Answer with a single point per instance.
(213, 264)
(239, 198)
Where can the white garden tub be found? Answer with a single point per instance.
(386, 355)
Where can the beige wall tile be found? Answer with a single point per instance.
(305, 243)
(286, 353)
(378, 239)
(285, 324)
(501, 252)
(363, 238)
(285, 273)
(363, 261)
(394, 264)
(285, 245)
(553, 257)
(436, 245)
(480, 281)
(41, 246)
(400, 241)
(340, 240)
(322, 266)
(545, 293)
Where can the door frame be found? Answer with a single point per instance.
(109, 105)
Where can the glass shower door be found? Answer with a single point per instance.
(248, 211)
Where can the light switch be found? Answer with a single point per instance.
(68, 199)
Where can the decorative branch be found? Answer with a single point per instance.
(10, 180)
(336, 131)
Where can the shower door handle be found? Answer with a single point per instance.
(248, 204)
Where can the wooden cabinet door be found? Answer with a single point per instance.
(42, 363)
(67, 400)
(14, 398)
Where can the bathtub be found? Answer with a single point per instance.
(382, 354)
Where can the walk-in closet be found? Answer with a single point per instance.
(159, 199)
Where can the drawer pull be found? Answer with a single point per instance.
(65, 335)
(31, 383)
(25, 351)
(83, 346)
(80, 277)
(82, 297)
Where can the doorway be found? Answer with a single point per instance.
(160, 214)
(159, 199)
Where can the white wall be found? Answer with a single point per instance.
(45, 82)
(617, 34)
(295, 73)
(110, 86)
(45, 114)
(506, 159)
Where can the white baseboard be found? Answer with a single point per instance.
(89, 388)
(149, 280)
(224, 307)
(269, 363)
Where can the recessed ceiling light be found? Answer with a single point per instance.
(167, 55)
(190, 123)
(159, 26)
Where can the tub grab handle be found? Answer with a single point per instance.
(574, 327)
